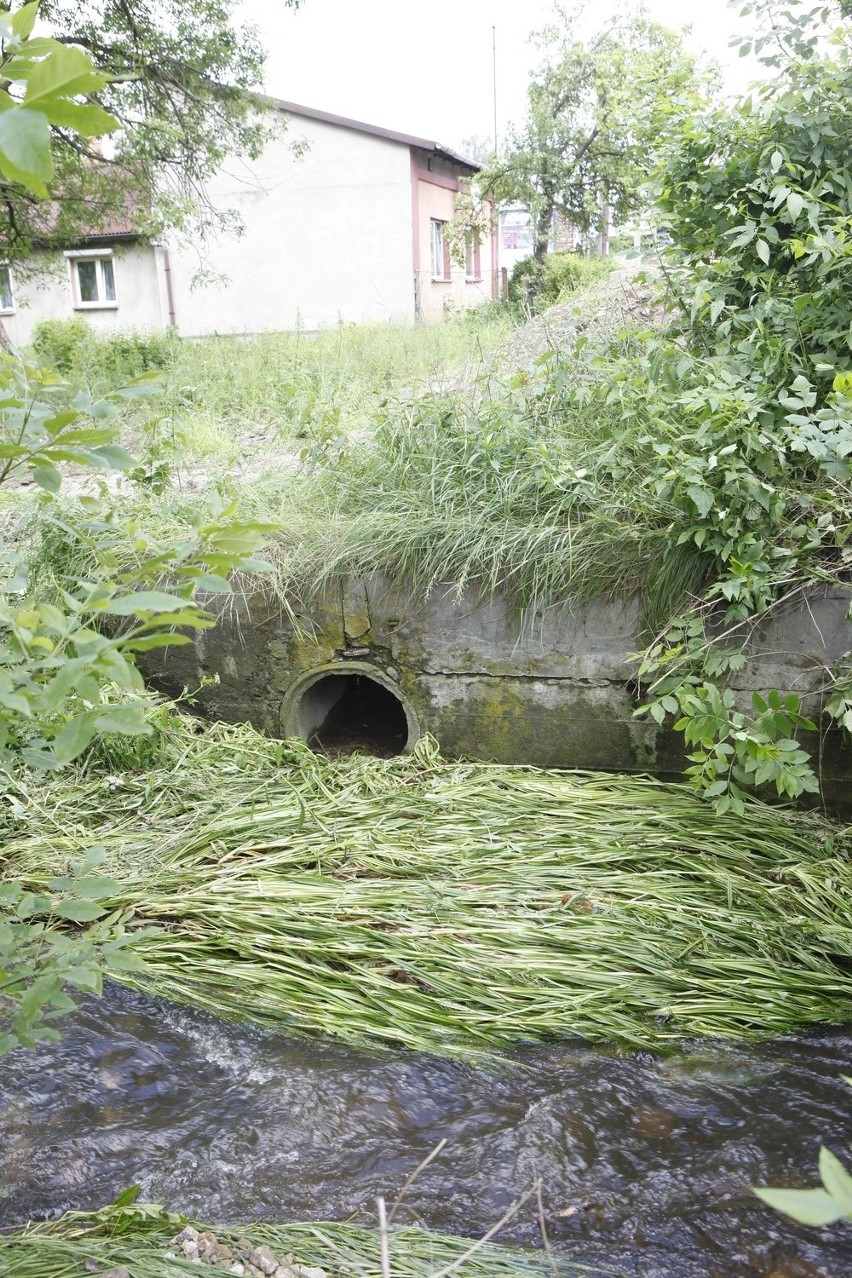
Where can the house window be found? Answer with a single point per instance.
(440, 250)
(93, 281)
(7, 297)
(472, 266)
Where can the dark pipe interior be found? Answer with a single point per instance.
(343, 713)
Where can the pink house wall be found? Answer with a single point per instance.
(433, 195)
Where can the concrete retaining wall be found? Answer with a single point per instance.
(558, 692)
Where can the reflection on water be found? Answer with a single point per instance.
(646, 1161)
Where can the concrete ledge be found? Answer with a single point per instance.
(555, 691)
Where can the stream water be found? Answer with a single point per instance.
(646, 1161)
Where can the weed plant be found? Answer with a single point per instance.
(298, 384)
(574, 480)
(100, 363)
(535, 489)
(538, 487)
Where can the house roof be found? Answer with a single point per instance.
(406, 139)
(118, 221)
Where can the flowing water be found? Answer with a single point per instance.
(646, 1161)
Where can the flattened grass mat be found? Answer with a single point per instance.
(139, 1241)
(457, 908)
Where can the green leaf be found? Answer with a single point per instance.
(86, 118)
(145, 643)
(73, 738)
(144, 601)
(763, 251)
(808, 1206)
(213, 583)
(795, 204)
(63, 73)
(126, 719)
(94, 887)
(128, 1196)
(22, 21)
(836, 1179)
(147, 384)
(84, 978)
(113, 457)
(47, 476)
(79, 911)
(25, 155)
(702, 498)
(256, 565)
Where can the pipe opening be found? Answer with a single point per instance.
(344, 713)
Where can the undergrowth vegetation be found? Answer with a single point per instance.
(703, 466)
(554, 280)
(224, 395)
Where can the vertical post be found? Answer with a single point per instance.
(494, 80)
(603, 238)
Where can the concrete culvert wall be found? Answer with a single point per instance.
(553, 689)
(350, 709)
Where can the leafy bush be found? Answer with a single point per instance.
(755, 405)
(620, 242)
(60, 343)
(72, 347)
(535, 286)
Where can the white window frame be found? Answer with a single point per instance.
(8, 310)
(438, 249)
(98, 256)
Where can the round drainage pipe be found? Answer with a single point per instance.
(350, 705)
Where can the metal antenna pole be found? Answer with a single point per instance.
(494, 79)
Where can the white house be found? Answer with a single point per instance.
(355, 230)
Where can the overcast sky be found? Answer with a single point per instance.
(425, 66)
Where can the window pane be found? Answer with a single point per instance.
(109, 280)
(437, 249)
(88, 281)
(6, 299)
(469, 256)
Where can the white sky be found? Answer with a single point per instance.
(425, 66)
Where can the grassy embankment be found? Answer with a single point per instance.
(225, 396)
(541, 483)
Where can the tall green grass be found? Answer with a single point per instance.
(542, 484)
(462, 909)
(299, 384)
(537, 487)
(517, 490)
(222, 395)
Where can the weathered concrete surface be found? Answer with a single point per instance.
(557, 691)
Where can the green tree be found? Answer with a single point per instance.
(758, 199)
(596, 109)
(64, 677)
(179, 80)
